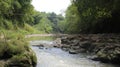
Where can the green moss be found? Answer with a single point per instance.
(27, 59)
(15, 50)
(20, 61)
(11, 48)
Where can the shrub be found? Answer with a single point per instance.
(12, 47)
(19, 61)
(27, 59)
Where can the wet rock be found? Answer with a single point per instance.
(75, 41)
(41, 46)
(109, 54)
(75, 44)
(57, 43)
(85, 44)
(64, 40)
(55, 46)
(71, 51)
(65, 49)
(82, 50)
(66, 46)
(105, 47)
(75, 47)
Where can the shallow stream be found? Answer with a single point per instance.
(55, 57)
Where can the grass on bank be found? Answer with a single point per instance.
(14, 48)
(12, 43)
(48, 38)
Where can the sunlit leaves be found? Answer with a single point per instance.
(16, 11)
(72, 19)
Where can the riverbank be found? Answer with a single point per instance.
(16, 52)
(56, 57)
(102, 47)
(17, 56)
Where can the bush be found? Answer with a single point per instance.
(14, 49)
(2, 49)
(27, 59)
(11, 48)
(20, 61)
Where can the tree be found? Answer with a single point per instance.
(16, 11)
(72, 19)
(44, 25)
(96, 16)
(52, 21)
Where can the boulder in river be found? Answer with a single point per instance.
(71, 51)
(41, 46)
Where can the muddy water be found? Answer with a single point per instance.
(55, 57)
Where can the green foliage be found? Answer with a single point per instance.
(55, 20)
(10, 42)
(44, 25)
(47, 22)
(19, 60)
(15, 12)
(11, 48)
(93, 16)
(28, 28)
(23, 60)
(72, 19)
(6, 24)
(62, 26)
(14, 16)
(2, 47)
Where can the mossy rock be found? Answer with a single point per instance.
(10, 48)
(110, 55)
(17, 54)
(28, 59)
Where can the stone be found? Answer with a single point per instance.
(65, 49)
(71, 51)
(75, 47)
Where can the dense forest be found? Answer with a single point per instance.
(15, 17)
(18, 18)
(20, 15)
(48, 22)
(82, 16)
(15, 12)
(93, 16)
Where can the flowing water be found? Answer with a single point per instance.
(55, 57)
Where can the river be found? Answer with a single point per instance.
(55, 57)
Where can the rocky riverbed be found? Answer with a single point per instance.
(102, 47)
(48, 56)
